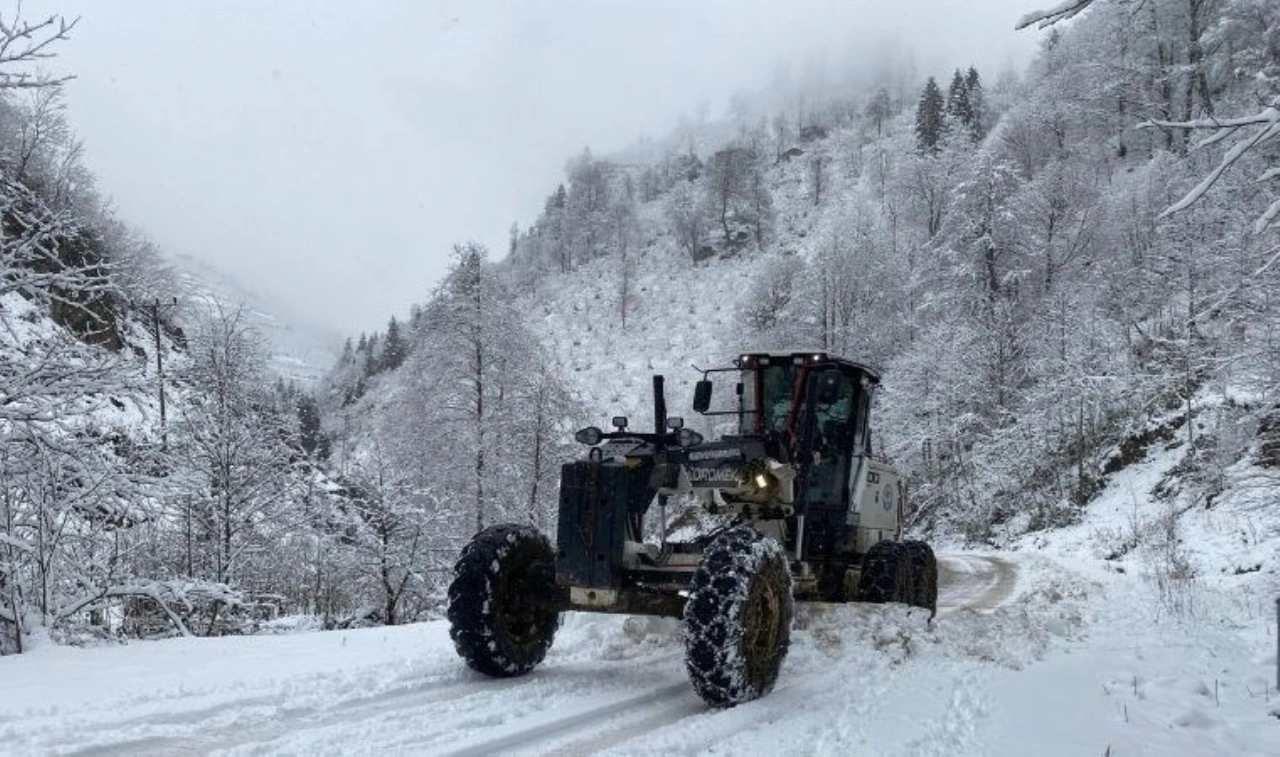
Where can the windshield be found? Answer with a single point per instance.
(767, 394)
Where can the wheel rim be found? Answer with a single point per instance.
(761, 630)
(518, 610)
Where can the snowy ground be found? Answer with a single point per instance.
(1020, 661)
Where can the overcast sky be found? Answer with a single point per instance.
(328, 154)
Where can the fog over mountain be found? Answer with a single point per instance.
(230, 131)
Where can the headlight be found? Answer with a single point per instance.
(762, 482)
(687, 437)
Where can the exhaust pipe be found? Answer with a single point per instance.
(659, 407)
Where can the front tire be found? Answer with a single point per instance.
(737, 620)
(500, 621)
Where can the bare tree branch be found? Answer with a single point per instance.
(1050, 16)
(23, 43)
(1268, 121)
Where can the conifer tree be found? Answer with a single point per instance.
(977, 105)
(393, 346)
(929, 118)
(371, 364)
(311, 437)
(555, 229)
(958, 107)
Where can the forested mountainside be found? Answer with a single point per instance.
(1005, 248)
(1002, 251)
(154, 476)
(999, 244)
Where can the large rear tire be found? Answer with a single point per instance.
(885, 577)
(922, 567)
(500, 620)
(737, 620)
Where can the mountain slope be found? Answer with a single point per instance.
(297, 351)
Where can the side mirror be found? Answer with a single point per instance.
(589, 436)
(702, 396)
(675, 423)
(620, 422)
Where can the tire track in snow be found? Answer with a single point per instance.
(531, 736)
(973, 582)
(270, 721)
(362, 724)
(454, 718)
(667, 714)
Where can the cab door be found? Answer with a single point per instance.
(832, 434)
(828, 437)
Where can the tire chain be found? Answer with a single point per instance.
(717, 594)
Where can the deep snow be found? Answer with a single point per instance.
(1059, 662)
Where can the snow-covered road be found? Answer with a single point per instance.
(610, 683)
(974, 582)
(1021, 660)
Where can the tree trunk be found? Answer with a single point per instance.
(536, 473)
(1197, 81)
(478, 345)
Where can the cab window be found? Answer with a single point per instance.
(777, 393)
(835, 411)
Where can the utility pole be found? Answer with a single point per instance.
(154, 308)
(346, 434)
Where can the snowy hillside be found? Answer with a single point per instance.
(680, 314)
(683, 316)
(297, 351)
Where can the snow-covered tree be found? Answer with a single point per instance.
(231, 446)
(929, 117)
(732, 192)
(688, 217)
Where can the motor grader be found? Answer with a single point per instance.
(802, 510)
